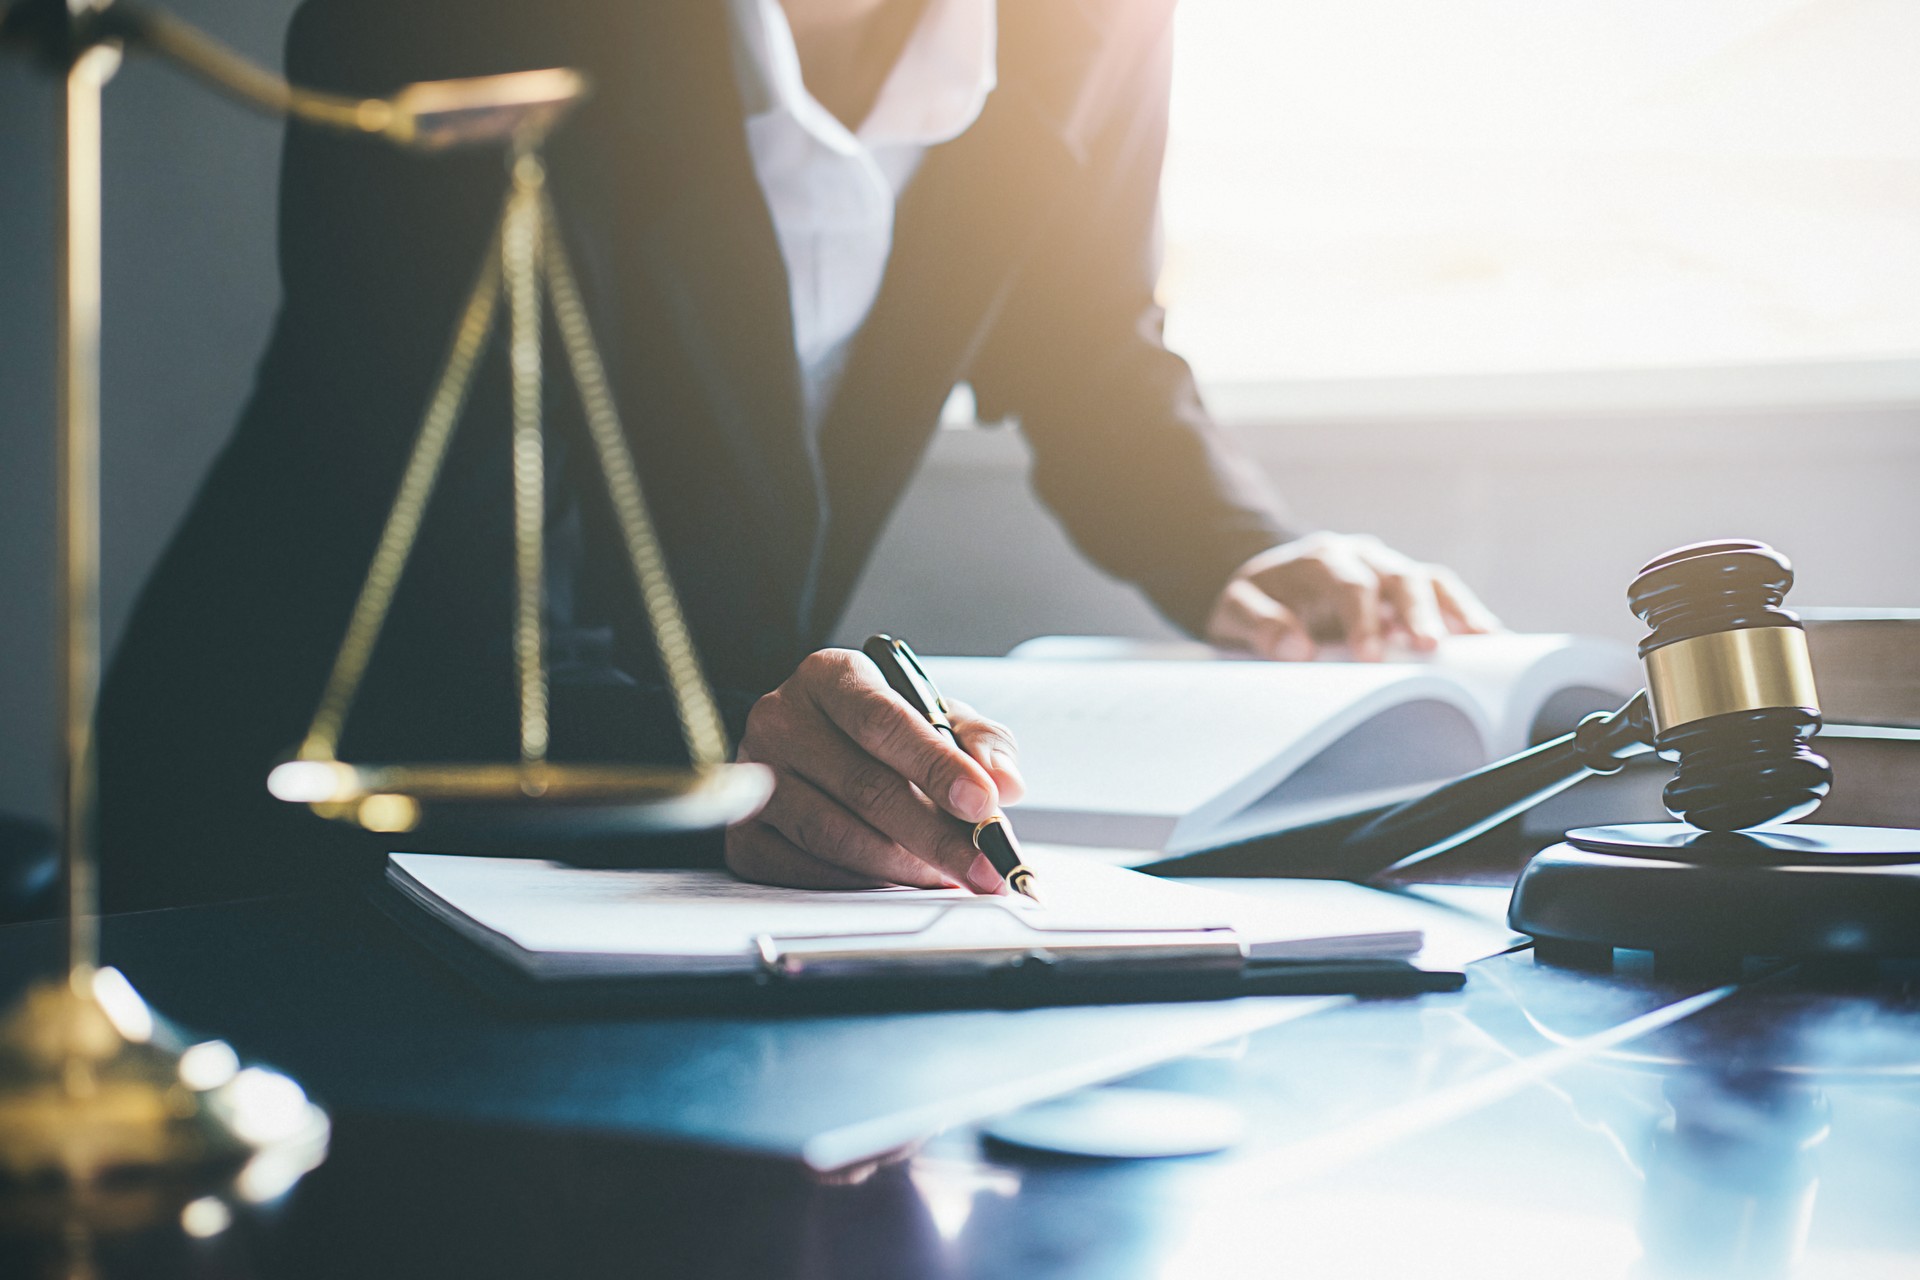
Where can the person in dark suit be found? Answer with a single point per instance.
(798, 226)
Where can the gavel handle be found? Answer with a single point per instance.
(1457, 811)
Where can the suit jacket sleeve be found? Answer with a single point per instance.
(1124, 453)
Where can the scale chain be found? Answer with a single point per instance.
(527, 250)
(700, 722)
(402, 529)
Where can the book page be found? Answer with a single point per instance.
(1510, 675)
(1517, 677)
(1161, 755)
(1176, 746)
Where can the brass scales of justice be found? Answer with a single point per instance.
(107, 1114)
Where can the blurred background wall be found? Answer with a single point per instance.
(1545, 488)
(1548, 515)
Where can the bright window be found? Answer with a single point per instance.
(1362, 188)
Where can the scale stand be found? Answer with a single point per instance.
(108, 1117)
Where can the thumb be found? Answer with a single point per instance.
(1246, 617)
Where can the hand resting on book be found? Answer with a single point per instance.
(1330, 587)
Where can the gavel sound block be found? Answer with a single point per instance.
(1730, 699)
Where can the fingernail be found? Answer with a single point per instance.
(1001, 762)
(970, 800)
(982, 878)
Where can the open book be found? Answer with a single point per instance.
(1173, 749)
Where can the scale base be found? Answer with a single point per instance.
(107, 1118)
(490, 807)
(1796, 891)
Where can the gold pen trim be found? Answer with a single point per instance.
(1020, 878)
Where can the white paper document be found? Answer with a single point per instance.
(556, 921)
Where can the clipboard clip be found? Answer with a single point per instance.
(970, 941)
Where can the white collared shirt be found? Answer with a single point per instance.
(831, 190)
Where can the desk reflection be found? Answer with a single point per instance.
(1765, 1130)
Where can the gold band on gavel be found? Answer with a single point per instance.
(1740, 670)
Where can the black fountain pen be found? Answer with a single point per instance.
(906, 677)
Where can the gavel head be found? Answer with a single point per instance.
(1731, 685)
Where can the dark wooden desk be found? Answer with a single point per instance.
(1542, 1121)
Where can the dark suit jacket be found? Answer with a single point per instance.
(1024, 261)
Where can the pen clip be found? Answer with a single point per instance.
(920, 690)
(967, 940)
(911, 661)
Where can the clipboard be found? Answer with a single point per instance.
(900, 972)
(950, 944)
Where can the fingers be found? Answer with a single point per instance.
(993, 745)
(1461, 608)
(1342, 585)
(1356, 600)
(848, 689)
(1408, 589)
(811, 819)
(1332, 580)
(755, 851)
(1247, 617)
(833, 778)
(865, 787)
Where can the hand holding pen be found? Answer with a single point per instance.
(867, 790)
(992, 835)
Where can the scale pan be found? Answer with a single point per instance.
(492, 802)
